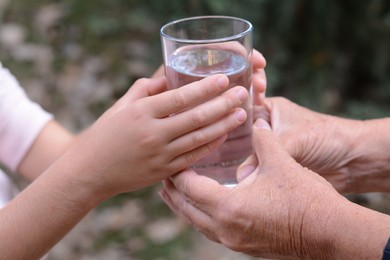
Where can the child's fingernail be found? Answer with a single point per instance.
(241, 115)
(242, 94)
(222, 81)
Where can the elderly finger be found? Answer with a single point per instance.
(184, 207)
(258, 60)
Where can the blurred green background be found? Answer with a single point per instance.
(77, 57)
(331, 55)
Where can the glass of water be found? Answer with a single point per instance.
(196, 47)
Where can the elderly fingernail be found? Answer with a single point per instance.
(261, 123)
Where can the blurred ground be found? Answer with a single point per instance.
(76, 75)
(96, 237)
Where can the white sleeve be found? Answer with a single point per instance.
(21, 120)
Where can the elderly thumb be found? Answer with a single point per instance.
(262, 124)
(250, 164)
(267, 148)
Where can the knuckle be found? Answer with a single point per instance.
(179, 99)
(234, 225)
(209, 147)
(233, 240)
(229, 215)
(150, 141)
(138, 109)
(207, 91)
(189, 158)
(198, 118)
(224, 218)
(198, 138)
(230, 242)
(228, 125)
(178, 165)
(141, 81)
(229, 104)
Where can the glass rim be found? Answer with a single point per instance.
(222, 39)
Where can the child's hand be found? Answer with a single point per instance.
(149, 134)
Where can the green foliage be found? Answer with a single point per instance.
(322, 54)
(321, 50)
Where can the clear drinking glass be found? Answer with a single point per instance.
(196, 47)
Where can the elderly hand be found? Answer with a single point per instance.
(281, 210)
(351, 154)
(274, 212)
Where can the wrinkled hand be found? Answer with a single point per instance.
(280, 210)
(150, 134)
(323, 143)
